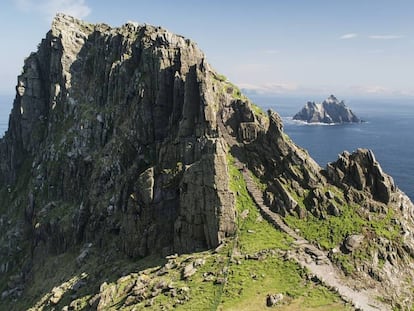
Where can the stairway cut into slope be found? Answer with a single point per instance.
(305, 253)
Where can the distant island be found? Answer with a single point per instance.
(331, 110)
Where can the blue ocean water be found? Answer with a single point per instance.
(388, 132)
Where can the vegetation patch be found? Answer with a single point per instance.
(259, 269)
(255, 233)
(251, 280)
(258, 111)
(330, 231)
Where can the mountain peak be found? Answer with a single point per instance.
(331, 110)
(63, 22)
(332, 98)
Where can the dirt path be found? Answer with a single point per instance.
(305, 253)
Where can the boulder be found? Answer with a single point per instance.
(333, 210)
(352, 242)
(57, 295)
(273, 299)
(189, 270)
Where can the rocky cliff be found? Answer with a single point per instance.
(118, 154)
(120, 124)
(331, 110)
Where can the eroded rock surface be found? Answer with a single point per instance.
(113, 140)
(361, 171)
(331, 110)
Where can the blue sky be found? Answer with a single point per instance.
(296, 47)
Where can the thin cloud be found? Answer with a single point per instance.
(269, 87)
(372, 89)
(377, 90)
(272, 52)
(49, 8)
(348, 36)
(385, 37)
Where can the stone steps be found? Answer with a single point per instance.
(308, 255)
(268, 214)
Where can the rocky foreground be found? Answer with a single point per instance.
(133, 175)
(330, 111)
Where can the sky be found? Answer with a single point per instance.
(295, 47)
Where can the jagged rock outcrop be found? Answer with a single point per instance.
(118, 147)
(366, 185)
(361, 171)
(113, 137)
(331, 110)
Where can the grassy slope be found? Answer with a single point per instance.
(248, 280)
(331, 231)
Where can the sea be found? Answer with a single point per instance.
(388, 131)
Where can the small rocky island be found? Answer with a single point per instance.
(331, 110)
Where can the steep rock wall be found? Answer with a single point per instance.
(115, 131)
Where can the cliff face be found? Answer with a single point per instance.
(331, 110)
(119, 126)
(119, 145)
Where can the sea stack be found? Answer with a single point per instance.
(330, 111)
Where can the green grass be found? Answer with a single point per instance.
(258, 111)
(206, 295)
(202, 294)
(227, 87)
(219, 77)
(248, 281)
(262, 186)
(385, 227)
(262, 234)
(251, 281)
(329, 232)
(345, 262)
(234, 91)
